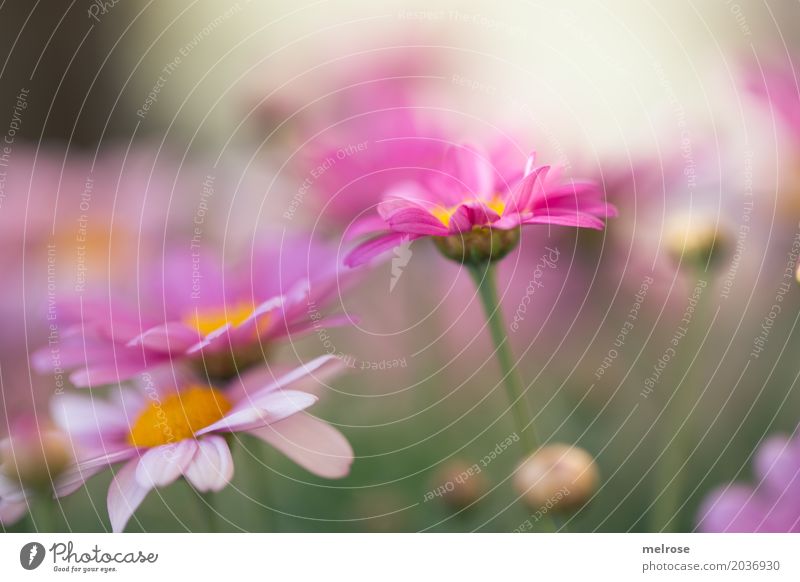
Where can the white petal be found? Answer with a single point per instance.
(12, 511)
(160, 466)
(273, 407)
(125, 495)
(212, 466)
(73, 479)
(10, 491)
(283, 403)
(311, 443)
(82, 416)
(298, 373)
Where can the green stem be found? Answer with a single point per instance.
(669, 470)
(487, 289)
(485, 281)
(254, 457)
(43, 512)
(208, 502)
(266, 487)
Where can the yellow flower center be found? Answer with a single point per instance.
(178, 416)
(212, 318)
(445, 214)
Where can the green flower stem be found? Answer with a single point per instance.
(209, 509)
(267, 487)
(670, 470)
(44, 512)
(255, 459)
(485, 281)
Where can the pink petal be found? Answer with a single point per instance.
(462, 220)
(574, 219)
(370, 249)
(481, 213)
(222, 331)
(311, 443)
(169, 338)
(162, 465)
(126, 367)
(575, 197)
(470, 166)
(275, 303)
(573, 189)
(524, 194)
(74, 352)
(416, 221)
(212, 466)
(364, 226)
(510, 220)
(125, 495)
(403, 196)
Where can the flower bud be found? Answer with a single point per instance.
(557, 477)
(696, 241)
(34, 454)
(478, 246)
(459, 484)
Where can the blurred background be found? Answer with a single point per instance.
(115, 115)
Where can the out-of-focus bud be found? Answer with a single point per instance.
(478, 246)
(557, 477)
(34, 454)
(696, 241)
(458, 484)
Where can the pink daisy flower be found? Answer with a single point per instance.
(476, 191)
(192, 309)
(163, 431)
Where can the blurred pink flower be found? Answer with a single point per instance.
(174, 426)
(779, 88)
(363, 123)
(352, 168)
(772, 505)
(69, 223)
(476, 189)
(191, 308)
